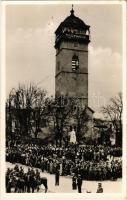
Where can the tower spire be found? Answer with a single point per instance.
(72, 10)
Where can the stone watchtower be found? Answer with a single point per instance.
(71, 44)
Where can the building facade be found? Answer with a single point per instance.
(71, 76)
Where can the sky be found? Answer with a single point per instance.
(30, 52)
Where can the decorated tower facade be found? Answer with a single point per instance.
(71, 44)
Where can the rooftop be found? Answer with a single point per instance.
(73, 22)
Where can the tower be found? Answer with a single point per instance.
(71, 44)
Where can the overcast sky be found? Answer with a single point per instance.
(30, 53)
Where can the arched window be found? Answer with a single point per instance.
(75, 63)
(87, 32)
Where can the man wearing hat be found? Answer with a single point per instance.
(99, 189)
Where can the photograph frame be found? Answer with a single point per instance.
(61, 196)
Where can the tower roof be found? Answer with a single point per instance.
(73, 22)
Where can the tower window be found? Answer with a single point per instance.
(75, 63)
(87, 32)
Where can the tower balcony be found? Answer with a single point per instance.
(83, 38)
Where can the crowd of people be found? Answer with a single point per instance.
(17, 180)
(91, 162)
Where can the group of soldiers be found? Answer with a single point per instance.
(92, 163)
(17, 180)
(77, 181)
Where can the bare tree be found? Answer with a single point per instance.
(63, 110)
(113, 111)
(26, 105)
(82, 118)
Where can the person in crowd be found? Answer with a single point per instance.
(57, 177)
(74, 182)
(79, 183)
(99, 189)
